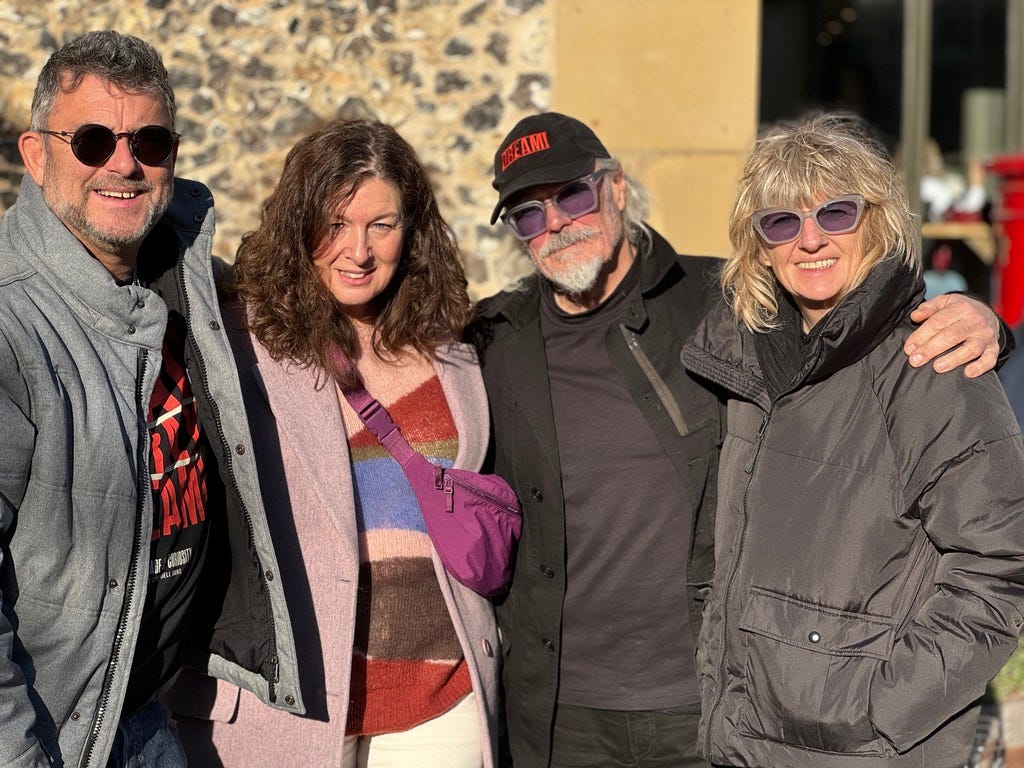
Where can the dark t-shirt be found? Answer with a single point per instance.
(626, 638)
(178, 464)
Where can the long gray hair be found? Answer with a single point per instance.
(638, 207)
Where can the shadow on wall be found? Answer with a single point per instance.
(11, 169)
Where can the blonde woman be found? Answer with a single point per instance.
(870, 533)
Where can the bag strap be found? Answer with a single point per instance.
(374, 415)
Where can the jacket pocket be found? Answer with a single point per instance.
(200, 697)
(808, 673)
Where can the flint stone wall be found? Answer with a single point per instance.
(252, 77)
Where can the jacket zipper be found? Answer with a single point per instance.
(660, 387)
(180, 278)
(757, 446)
(749, 468)
(447, 482)
(142, 468)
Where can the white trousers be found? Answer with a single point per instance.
(450, 740)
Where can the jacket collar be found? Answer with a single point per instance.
(862, 319)
(87, 287)
(868, 314)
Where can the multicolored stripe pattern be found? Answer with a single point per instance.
(408, 665)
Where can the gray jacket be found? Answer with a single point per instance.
(870, 543)
(78, 360)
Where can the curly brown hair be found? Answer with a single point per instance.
(290, 310)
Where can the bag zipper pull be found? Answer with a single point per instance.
(449, 494)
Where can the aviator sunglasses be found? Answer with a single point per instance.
(95, 144)
(834, 217)
(575, 199)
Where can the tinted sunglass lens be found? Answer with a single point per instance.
(93, 144)
(838, 216)
(781, 227)
(576, 200)
(152, 145)
(529, 222)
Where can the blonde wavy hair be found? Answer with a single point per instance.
(801, 165)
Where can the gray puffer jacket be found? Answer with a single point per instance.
(869, 543)
(79, 356)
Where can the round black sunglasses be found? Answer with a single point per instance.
(94, 144)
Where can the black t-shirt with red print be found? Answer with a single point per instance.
(178, 466)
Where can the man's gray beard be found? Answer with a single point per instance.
(578, 278)
(74, 217)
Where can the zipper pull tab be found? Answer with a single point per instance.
(449, 494)
(757, 447)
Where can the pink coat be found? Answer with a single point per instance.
(307, 489)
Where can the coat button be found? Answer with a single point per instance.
(289, 700)
(549, 646)
(487, 648)
(814, 637)
(547, 572)
(215, 325)
(75, 715)
(131, 329)
(535, 492)
(239, 449)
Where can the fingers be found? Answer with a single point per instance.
(956, 331)
(926, 309)
(983, 364)
(975, 358)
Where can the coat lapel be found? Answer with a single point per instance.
(309, 421)
(459, 374)
(527, 374)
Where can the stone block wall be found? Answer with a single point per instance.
(254, 76)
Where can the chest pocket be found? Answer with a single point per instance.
(808, 672)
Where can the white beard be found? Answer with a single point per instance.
(577, 277)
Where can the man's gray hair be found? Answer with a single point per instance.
(129, 63)
(638, 208)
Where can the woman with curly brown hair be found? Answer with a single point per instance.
(398, 662)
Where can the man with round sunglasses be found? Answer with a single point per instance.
(613, 449)
(133, 538)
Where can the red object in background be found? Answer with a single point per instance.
(1008, 215)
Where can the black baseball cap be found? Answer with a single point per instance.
(543, 149)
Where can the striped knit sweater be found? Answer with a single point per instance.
(408, 666)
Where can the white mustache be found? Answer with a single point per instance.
(559, 240)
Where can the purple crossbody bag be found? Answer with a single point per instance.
(474, 520)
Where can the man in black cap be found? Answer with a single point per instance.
(613, 450)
